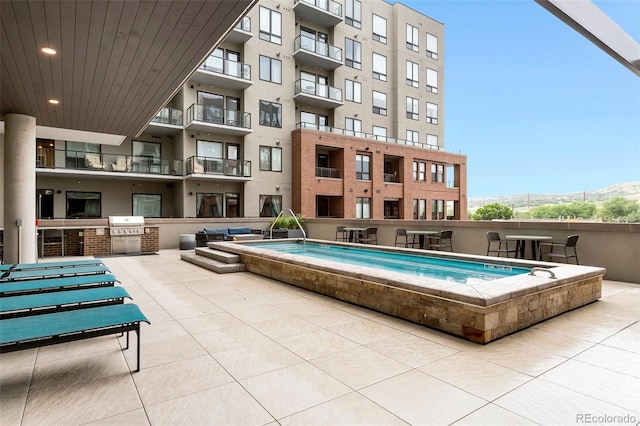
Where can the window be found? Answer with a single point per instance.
(212, 107)
(146, 149)
(270, 25)
(437, 209)
(432, 113)
(420, 171)
(310, 120)
(419, 209)
(379, 67)
(363, 167)
(353, 91)
(353, 53)
(270, 69)
(147, 205)
(270, 205)
(76, 151)
(412, 108)
(432, 46)
(232, 200)
(210, 156)
(432, 140)
(270, 114)
(353, 13)
(363, 208)
(208, 205)
(412, 38)
(379, 29)
(412, 74)
(82, 205)
(379, 103)
(413, 136)
(270, 159)
(352, 127)
(380, 133)
(437, 173)
(432, 80)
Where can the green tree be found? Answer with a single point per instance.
(493, 211)
(620, 209)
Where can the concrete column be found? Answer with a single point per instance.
(19, 189)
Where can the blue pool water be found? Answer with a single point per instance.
(462, 271)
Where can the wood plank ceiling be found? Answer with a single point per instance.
(117, 62)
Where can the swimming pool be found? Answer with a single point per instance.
(461, 271)
(478, 310)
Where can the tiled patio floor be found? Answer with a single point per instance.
(240, 349)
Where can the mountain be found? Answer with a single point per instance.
(520, 202)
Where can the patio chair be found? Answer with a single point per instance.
(92, 161)
(560, 250)
(401, 234)
(370, 236)
(442, 241)
(341, 234)
(497, 245)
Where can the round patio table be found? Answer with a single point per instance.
(521, 242)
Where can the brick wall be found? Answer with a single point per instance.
(96, 245)
(151, 240)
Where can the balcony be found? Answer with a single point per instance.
(222, 72)
(241, 33)
(327, 13)
(167, 122)
(358, 134)
(219, 167)
(319, 95)
(310, 51)
(62, 162)
(208, 118)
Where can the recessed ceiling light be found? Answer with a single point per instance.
(48, 50)
(54, 101)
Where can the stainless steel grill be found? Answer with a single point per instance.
(126, 234)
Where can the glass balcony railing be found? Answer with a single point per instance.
(316, 89)
(327, 5)
(313, 126)
(244, 24)
(218, 166)
(169, 116)
(312, 45)
(227, 67)
(216, 115)
(95, 161)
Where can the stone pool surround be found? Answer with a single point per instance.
(477, 312)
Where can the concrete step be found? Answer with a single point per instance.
(212, 264)
(220, 256)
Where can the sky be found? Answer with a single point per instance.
(536, 107)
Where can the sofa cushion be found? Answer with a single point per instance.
(216, 231)
(239, 230)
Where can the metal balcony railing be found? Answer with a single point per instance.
(312, 45)
(391, 177)
(316, 89)
(117, 163)
(215, 115)
(218, 166)
(227, 67)
(328, 172)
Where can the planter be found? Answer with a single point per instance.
(295, 233)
